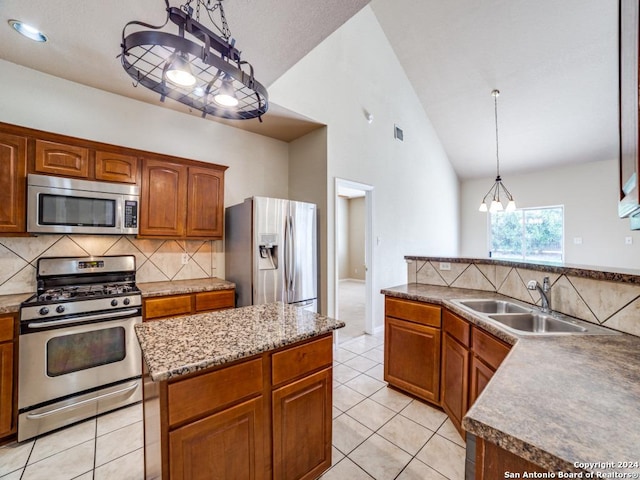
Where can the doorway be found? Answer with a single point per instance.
(354, 264)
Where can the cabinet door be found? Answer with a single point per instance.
(13, 158)
(116, 167)
(6, 389)
(163, 200)
(412, 358)
(61, 159)
(227, 445)
(480, 376)
(302, 427)
(205, 214)
(455, 379)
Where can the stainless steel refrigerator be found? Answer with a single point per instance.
(271, 252)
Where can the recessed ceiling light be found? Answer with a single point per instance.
(28, 31)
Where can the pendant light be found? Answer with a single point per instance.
(196, 66)
(491, 201)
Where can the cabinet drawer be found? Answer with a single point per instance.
(196, 396)
(215, 300)
(6, 329)
(167, 306)
(417, 312)
(491, 350)
(457, 327)
(297, 361)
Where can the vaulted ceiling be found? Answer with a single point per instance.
(555, 64)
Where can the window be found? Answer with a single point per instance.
(529, 234)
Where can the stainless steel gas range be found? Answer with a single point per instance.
(78, 353)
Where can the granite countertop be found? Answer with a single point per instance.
(176, 287)
(184, 345)
(561, 402)
(11, 303)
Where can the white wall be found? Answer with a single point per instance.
(589, 193)
(415, 188)
(257, 165)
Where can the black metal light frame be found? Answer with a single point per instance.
(146, 54)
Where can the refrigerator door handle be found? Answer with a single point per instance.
(287, 259)
(293, 259)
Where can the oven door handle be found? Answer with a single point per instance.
(99, 316)
(34, 416)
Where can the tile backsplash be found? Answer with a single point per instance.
(156, 260)
(612, 304)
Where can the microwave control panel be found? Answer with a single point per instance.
(130, 214)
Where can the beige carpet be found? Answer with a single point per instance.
(351, 303)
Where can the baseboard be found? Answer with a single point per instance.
(351, 280)
(378, 329)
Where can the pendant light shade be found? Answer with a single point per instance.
(194, 66)
(491, 201)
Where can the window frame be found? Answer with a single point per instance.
(523, 258)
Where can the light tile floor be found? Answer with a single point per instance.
(378, 433)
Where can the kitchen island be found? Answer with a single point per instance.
(242, 393)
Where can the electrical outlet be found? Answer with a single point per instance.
(185, 258)
(628, 240)
(445, 266)
(577, 240)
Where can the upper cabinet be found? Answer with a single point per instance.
(629, 205)
(78, 161)
(116, 167)
(13, 158)
(181, 199)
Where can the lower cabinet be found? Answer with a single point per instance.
(8, 387)
(412, 347)
(455, 367)
(266, 417)
(156, 308)
(493, 462)
(226, 445)
(302, 427)
(488, 353)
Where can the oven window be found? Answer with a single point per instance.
(80, 351)
(77, 211)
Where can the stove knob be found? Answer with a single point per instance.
(60, 308)
(114, 303)
(126, 301)
(44, 311)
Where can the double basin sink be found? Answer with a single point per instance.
(528, 320)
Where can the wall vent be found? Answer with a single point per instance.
(398, 134)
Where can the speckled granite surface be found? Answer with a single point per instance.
(554, 400)
(11, 303)
(187, 344)
(157, 289)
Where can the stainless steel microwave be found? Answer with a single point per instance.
(67, 205)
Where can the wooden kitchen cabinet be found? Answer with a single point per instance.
(456, 340)
(163, 200)
(488, 353)
(155, 308)
(181, 200)
(116, 167)
(412, 347)
(492, 462)
(8, 390)
(205, 217)
(13, 158)
(235, 422)
(302, 416)
(61, 159)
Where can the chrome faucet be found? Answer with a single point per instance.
(545, 293)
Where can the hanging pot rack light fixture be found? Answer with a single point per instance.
(203, 71)
(491, 201)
